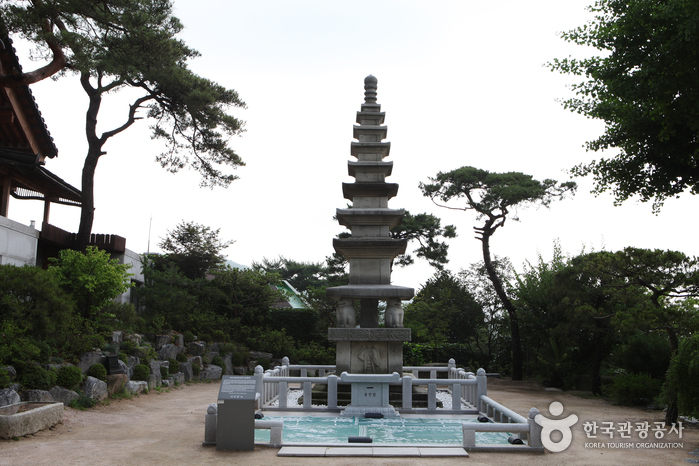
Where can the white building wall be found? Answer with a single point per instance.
(134, 259)
(18, 243)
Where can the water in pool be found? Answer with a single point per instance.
(388, 431)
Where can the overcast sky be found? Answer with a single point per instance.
(461, 82)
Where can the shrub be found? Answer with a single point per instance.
(634, 389)
(225, 348)
(219, 335)
(4, 378)
(205, 337)
(123, 358)
(181, 357)
(236, 359)
(218, 361)
(188, 337)
(141, 372)
(69, 377)
(164, 372)
(98, 371)
(82, 402)
(128, 347)
(265, 363)
(109, 348)
(174, 366)
(196, 370)
(34, 376)
(313, 353)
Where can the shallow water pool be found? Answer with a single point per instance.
(387, 431)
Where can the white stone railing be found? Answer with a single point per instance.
(527, 430)
(273, 384)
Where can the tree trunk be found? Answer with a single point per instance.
(672, 412)
(517, 369)
(94, 151)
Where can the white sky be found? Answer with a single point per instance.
(461, 82)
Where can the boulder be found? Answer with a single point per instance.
(240, 370)
(178, 339)
(135, 387)
(41, 396)
(9, 397)
(211, 372)
(169, 351)
(162, 340)
(87, 360)
(196, 360)
(155, 371)
(197, 348)
(95, 388)
(154, 381)
(186, 370)
(228, 369)
(63, 395)
(178, 378)
(215, 347)
(136, 338)
(116, 383)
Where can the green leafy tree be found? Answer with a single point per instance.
(195, 249)
(645, 87)
(683, 378)
(495, 197)
(443, 310)
(118, 44)
(301, 275)
(91, 277)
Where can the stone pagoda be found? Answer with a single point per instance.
(365, 348)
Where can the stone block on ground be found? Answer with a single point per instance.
(186, 370)
(31, 421)
(116, 383)
(9, 397)
(95, 388)
(41, 396)
(135, 387)
(63, 395)
(211, 372)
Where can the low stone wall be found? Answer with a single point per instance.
(31, 421)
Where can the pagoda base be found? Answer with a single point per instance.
(369, 350)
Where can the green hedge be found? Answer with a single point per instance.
(300, 324)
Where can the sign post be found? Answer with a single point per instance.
(235, 421)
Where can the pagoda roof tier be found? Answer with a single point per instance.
(377, 132)
(371, 248)
(371, 114)
(370, 292)
(373, 166)
(352, 190)
(370, 217)
(380, 148)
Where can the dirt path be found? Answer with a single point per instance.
(168, 428)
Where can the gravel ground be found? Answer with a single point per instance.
(168, 428)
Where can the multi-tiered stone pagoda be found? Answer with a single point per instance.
(366, 348)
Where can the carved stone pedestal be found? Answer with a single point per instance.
(369, 350)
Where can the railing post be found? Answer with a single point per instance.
(307, 395)
(304, 372)
(259, 383)
(283, 390)
(534, 430)
(469, 437)
(407, 392)
(432, 396)
(456, 396)
(482, 384)
(332, 391)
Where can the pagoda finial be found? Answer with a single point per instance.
(370, 85)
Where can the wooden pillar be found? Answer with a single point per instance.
(5, 195)
(47, 209)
